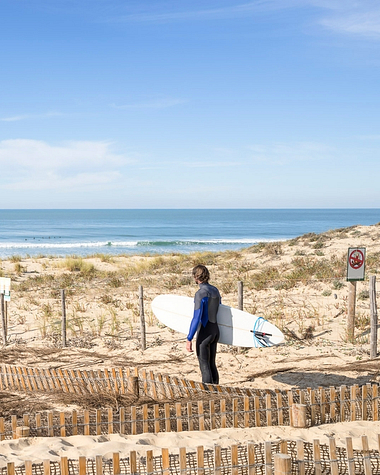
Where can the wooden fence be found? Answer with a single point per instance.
(249, 459)
(272, 409)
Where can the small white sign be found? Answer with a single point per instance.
(355, 263)
(5, 285)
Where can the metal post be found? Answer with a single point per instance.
(142, 318)
(64, 342)
(373, 309)
(3, 322)
(351, 311)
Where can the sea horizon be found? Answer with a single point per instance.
(83, 232)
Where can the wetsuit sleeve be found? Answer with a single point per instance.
(198, 311)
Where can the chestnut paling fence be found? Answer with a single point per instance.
(183, 405)
(278, 457)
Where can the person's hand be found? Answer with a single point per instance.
(189, 346)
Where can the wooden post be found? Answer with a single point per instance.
(299, 415)
(282, 464)
(4, 324)
(142, 318)
(22, 431)
(64, 342)
(351, 311)
(133, 385)
(373, 309)
(240, 295)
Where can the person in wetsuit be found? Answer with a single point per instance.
(206, 304)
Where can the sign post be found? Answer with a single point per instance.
(5, 296)
(355, 272)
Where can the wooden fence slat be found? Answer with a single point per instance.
(200, 460)
(268, 457)
(375, 403)
(268, 406)
(29, 467)
(122, 420)
(190, 416)
(2, 428)
(353, 390)
(169, 386)
(110, 420)
(46, 467)
(251, 459)
(133, 420)
(201, 416)
(114, 376)
(145, 418)
(332, 404)
(280, 411)
(14, 426)
(32, 378)
(156, 416)
(98, 422)
(82, 465)
(64, 466)
(300, 457)
(178, 413)
(350, 456)
(149, 462)
(313, 407)
(38, 424)
(342, 393)
(333, 458)
(116, 463)
(165, 461)
(74, 421)
(86, 422)
(62, 424)
(364, 402)
(50, 421)
(234, 460)
(366, 456)
(99, 465)
(182, 459)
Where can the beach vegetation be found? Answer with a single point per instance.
(326, 293)
(16, 258)
(19, 269)
(273, 249)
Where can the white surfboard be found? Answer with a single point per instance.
(236, 327)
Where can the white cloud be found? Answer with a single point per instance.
(37, 165)
(17, 118)
(36, 155)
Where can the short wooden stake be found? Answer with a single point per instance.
(282, 464)
(142, 318)
(299, 415)
(22, 431)
(373, 310)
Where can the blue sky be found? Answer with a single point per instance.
(189, 104)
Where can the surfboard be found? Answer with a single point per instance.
(237, 328)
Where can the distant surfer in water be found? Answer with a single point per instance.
(206, 304)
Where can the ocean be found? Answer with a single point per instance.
(131, 231)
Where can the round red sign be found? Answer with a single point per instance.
(356, 259)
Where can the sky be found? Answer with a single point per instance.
(189, 104)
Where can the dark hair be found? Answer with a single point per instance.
(201, 273)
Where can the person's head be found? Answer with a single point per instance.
(201, 274)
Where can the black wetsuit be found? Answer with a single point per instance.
(206, 304)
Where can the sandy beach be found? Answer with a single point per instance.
(299, 285)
